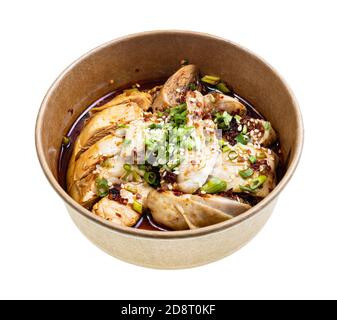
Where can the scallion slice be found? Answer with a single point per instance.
(137, 206)
(266, 125)
(259, 181)
(222, 87)
(102, 187)
(213, 80)
(255, 183)
(214, 185)
(232, 155)
(252, 159)
(242, 138)
(150, 177)
(246, 173)
(127, 167)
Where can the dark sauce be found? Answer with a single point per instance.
(146, 221)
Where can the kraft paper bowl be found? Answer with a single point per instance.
(154, 55)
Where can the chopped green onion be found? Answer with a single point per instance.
(137, 206)
(256, 183)
(222, 87)
(223, 120)
(244, 129)
(232, 155)
(225, 149)
(252, 159)
(192, 86)
(259, 181)
(136, 176)
(155, 126)
(178, 115)
(224, 146)
(213, 80)
(241, 138)
(121, 125)
(102, 187)
(65, 141)
(266, 125)
(246, 189)
(150, 177)
(237, 118)
(214, 185)
(246, 173)
(125, 175)
(127, 167)
(160, 114)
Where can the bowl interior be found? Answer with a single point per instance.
(155, 55)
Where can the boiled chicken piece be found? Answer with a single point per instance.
(138, 192)
(84, 191)
(224, 204)
(100, 125)
(106, 121)
(128, 211)
(133, 149)
(142, 99)
(219, 102)
(109, 146)
(116, 212)
(174, 87)
(182, 212)
(232, 165)
(198, 163)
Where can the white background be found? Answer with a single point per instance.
(43, 255)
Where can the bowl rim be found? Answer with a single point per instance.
(127, 231)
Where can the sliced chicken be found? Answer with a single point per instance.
(224, 204)
(116, 212)
(106, 121)
(142, 99)
(219, 102)
(84, 191)
(198, 163)
(175, 87)
(107, 147)
(235, 168)
(100, 125)
(133, 149)
(182, 212)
